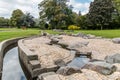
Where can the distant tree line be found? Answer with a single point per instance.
(57, 14)
(103, 14)
(18, 19)
(4, 22)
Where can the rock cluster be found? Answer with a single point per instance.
(61, 52)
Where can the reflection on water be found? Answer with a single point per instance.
(11, 67)
(79, 62)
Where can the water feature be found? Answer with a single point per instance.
(11, 66)
(79, 62)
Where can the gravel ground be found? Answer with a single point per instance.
(100, 48)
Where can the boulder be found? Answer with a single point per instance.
(116, 40)
(101, 67)
(68, 70)
(113, 59)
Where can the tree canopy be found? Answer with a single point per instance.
(15, 18)
(55, 12)
(100, 13)
(4, 21)
(27, 20)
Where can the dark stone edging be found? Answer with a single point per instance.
(5, 46)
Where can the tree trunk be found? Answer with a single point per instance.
(101, 27)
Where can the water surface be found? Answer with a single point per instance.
(11, 66)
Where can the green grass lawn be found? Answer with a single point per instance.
(103, 33)
(7, 33)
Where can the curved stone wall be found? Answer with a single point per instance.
(29, 61)
(4, 47)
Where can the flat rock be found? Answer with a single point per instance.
(48, 76)
(101, 67)
(77, 45)
(116, 40)
(78, 62)
(113, 59)
(90, 36)
(67, 70)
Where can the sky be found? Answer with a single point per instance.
(7, 6)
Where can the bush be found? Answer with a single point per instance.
(73, 27)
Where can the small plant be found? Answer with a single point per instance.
(73, 27)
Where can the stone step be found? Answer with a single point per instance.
(34, 64)
(39, 71)
(32, 57)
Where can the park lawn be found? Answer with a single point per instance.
(7, 33)
(103, 33)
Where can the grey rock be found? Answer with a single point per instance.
(116, 40)
(78, 62)
(77, 45)
(48, 76)
(58, 30)
(84, 54)
(79, 35)
(44, 33)
(34, 64)
(90, 36)
(60, 62)
(54, 41)
(67, 70)
(63, 44)
(113, 59)
(101, 67)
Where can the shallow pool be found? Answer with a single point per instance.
(11, 66)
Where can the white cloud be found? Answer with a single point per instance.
(7, 6)
(83, 7)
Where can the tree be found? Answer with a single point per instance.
(117, 5)
(15, 19)
(81, 21)
(116, 14)
(4, 21)
(54, 12)
(27, 20)
(100, 13)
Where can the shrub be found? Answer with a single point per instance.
(73, 27)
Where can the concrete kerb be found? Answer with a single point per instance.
(5, 46)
